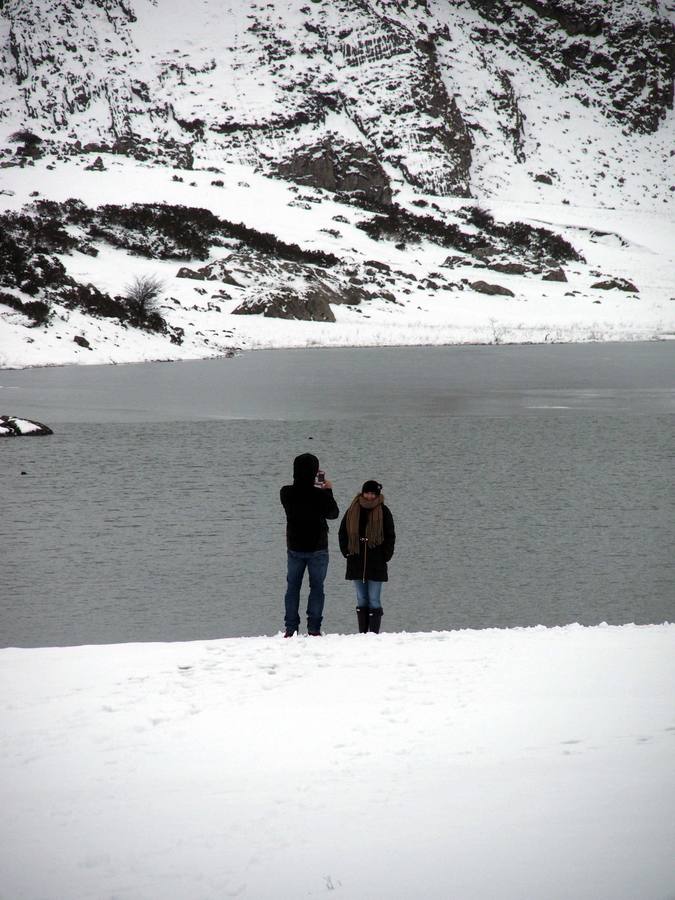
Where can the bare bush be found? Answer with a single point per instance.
(142, 295)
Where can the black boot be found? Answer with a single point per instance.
(374, 620)
(362, 617)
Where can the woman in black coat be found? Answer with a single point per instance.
(367, 540)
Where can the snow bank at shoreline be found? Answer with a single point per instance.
(514, 763)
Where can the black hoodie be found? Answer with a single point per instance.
(307, 507)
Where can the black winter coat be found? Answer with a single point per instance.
(307, 509)
(370, 564)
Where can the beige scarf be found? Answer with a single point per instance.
(374, 529)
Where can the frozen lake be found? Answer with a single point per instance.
(529, 484)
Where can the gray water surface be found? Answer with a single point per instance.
(528, 484)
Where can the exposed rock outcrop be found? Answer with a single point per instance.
(509, 268)
(287, 303)
(215, 271)
(619, 53)
(13, 426)
(336, 165)
(557, 274)
(484, 287)
(616, 284)
(395, 93)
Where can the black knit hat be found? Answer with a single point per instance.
(371, 487)
(305, 468)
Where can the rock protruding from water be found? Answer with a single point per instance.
(13, 426)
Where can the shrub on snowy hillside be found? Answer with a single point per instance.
(399, 224)
(36, 310)
(537, 240)
(163, 231)
(24, 244)
(268, 243)
(480, 217)
(41, 233)
(157, 231)
(516, 238)
(141, 296)
(27, 265)
(88, 298)
(540, 241)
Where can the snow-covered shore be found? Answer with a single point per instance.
(332, 175)
(630, 243)
(471, 764)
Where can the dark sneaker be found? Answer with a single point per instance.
(314, 633)
(290, 632)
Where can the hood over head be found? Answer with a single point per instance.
(305, 468)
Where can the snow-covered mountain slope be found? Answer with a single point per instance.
(305, 120)
(433, 92)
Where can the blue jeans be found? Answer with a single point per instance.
(368, 594)
(317, 565)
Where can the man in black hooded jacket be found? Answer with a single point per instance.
(307, 504)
